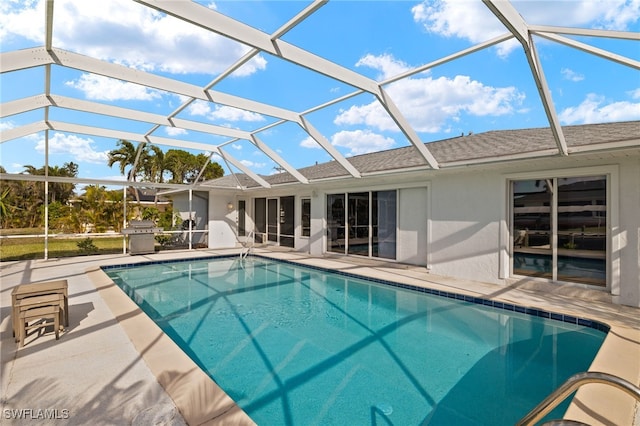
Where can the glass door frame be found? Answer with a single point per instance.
(339, 229)
(612, 239)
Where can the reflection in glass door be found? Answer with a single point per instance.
(272, 220)
(335, 223)
(260, 217)
(358, 225)
(560, 228)
(287, 221)
(383, 223)
(582, 229)
(532, 253)
(366, 226)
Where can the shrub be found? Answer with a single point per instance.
(86, 246)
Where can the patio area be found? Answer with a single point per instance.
(111, 366)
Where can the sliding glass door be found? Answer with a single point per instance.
(272, 220)
(559, 228)
(260, 218)
(384, 224)
(336, 219)
(582, 229)
(362, 223)
(287, 221)
(532, 227)
(358, 228)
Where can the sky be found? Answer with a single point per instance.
(488, 90)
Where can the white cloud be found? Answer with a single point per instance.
(428, 103)
(98, 87)
(236, 146)
(594, 109)
(609, 14)
(571, 75)
(310, 142)
(474, 22)
(24, 19)
(361, 141)
(234, 114)
(257, 63)
(15, 168)
(248, 163)
(223, 112)
(175, 131)
(125, 32)
(80, 149)
(386, 64)
(6, 125)
(635, 94)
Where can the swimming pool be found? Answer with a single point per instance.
(296, 345)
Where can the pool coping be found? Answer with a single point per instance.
(190, 387)
(198, 398)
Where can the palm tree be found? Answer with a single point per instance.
(125, 155)
(154, 164)
(4, 205)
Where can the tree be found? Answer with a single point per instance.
(4, 205)
(58, 191)
(125, 156)
(154, 164)
(185, 167)
(213, 169)
(178, 164)
(182, 166)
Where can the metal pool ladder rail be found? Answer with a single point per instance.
(571, 385)
(248, 245)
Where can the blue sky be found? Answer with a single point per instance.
(487, 90)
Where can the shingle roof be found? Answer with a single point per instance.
(492, 145)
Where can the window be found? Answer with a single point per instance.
(305, 211)
(559, 228)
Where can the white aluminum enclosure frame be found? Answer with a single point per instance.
(271, 44)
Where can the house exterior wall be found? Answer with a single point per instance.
(629, 233)
(413, 222)
(464, 223)
(456, 222)
(222, 221)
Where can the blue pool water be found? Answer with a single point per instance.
(301, 346)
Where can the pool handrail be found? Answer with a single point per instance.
(248, 245)
(570, 386)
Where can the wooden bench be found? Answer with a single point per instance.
(40, 316)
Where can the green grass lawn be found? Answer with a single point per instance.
(33, 247)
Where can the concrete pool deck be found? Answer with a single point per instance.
(112, 365)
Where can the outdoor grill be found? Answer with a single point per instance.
(141, 236)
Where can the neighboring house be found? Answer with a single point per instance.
(503, 206)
